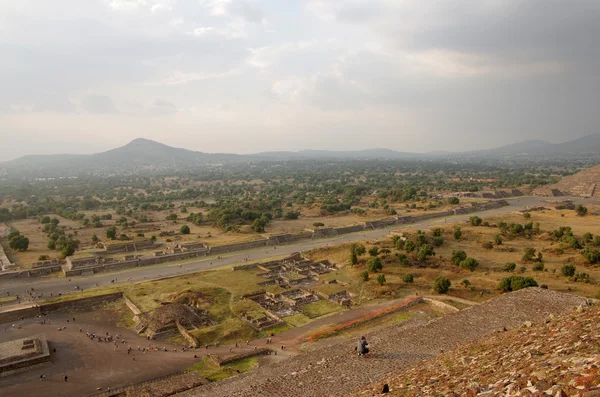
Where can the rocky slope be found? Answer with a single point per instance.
(336, 371)
(556, 357)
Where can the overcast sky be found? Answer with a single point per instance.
(241, 76)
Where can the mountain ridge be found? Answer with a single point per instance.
(143, 153)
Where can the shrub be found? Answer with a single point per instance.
(381, 279)
(51, 244)
(437, 241)
(514, 283)
(374, 251)
(458, 256)
(538, 267)
(374, 265)
(580, 210)
(475, 220)
(544, 286)
(591, 255)
(44, 257)
(424, 252)
(457, 232)
(364, 276)
(568, 270)
(185, 229)
(529, 254)
(19, 243)
(465, 283)
(453, 200)
(318, 224)
(438, 231)
(441, 285)
(469, 263)
(526, 215)
(171, 217)
(498, 239)
(583, 277)
(408, 278)
(409, 246)
(488, 245)
(510, 267)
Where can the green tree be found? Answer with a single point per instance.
(441, 285)
(374, 251)
(568, 270)
(51, 244)
(470, 264)
(409, 246)
(515, 283)
(453, 200)
(465, 283)
(374, 264)
(68, 247)
(111, 232)
(424, 252)
(381, 279)
(185, 229)
(94, 238)
(510, 267)
(475, 220)
(438, 231)
(353, 257)
(498, 239)
(364, 276)
(408, 278)
(19, 243)
(458, 256)
(457, 232)
(580, 210)
(171, 217)
(528, 254)
(359, 249)
(526, 215)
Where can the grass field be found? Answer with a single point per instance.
(213, 372)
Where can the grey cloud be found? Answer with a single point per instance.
(98, 104)
(162, 107)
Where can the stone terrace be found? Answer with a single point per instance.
(335, 370)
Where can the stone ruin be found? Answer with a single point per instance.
(172, 318)
(23, 353)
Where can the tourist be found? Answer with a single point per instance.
(362, 348)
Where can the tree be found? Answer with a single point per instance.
(68, 247)
(441, 285)
(353, 257)
(538, 267)
(424, 252)
(360, 249)
(465, 283)
(94, 238)
(171, 217)
(498, 239)
(457, 232)
(475, 220)
(592, 256)
(381, 279)
(526, 215)
(488, 245)
(458, 256)
(438, 231)
(364, 276)
(45, 220)
(510, 267)
(515, 283)
(292, 215)
(111, 232)
(51, 244)
(409, 246)
(408, 278)
(374, 264)
(19, 243)
(529, 254)
(185, 229)
(437, 241)
(453, 200)
(470, 264)
(580, 210)
(373, 251)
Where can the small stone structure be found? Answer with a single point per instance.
(23, 353)
(167, 320)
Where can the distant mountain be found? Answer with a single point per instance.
(144, 154)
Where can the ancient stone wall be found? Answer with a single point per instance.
(15, 315)
(219, 249)
(83, 303)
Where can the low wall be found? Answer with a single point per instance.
(190, 338)
(83, 303)
(441, 305)
(17, 314)
(134, 309)
(359, 321)
(252, 353)
(237, 246)
(350, 229)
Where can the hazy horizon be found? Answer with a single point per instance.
(249, 76)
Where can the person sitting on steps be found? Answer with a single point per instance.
(362, 348)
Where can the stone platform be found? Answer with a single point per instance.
(23, 353)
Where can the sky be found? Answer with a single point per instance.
(245, 76)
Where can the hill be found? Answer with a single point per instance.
(335, 370)
(557, 357)
(585, 183)
(145, 154)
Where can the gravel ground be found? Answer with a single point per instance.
(336, 371)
